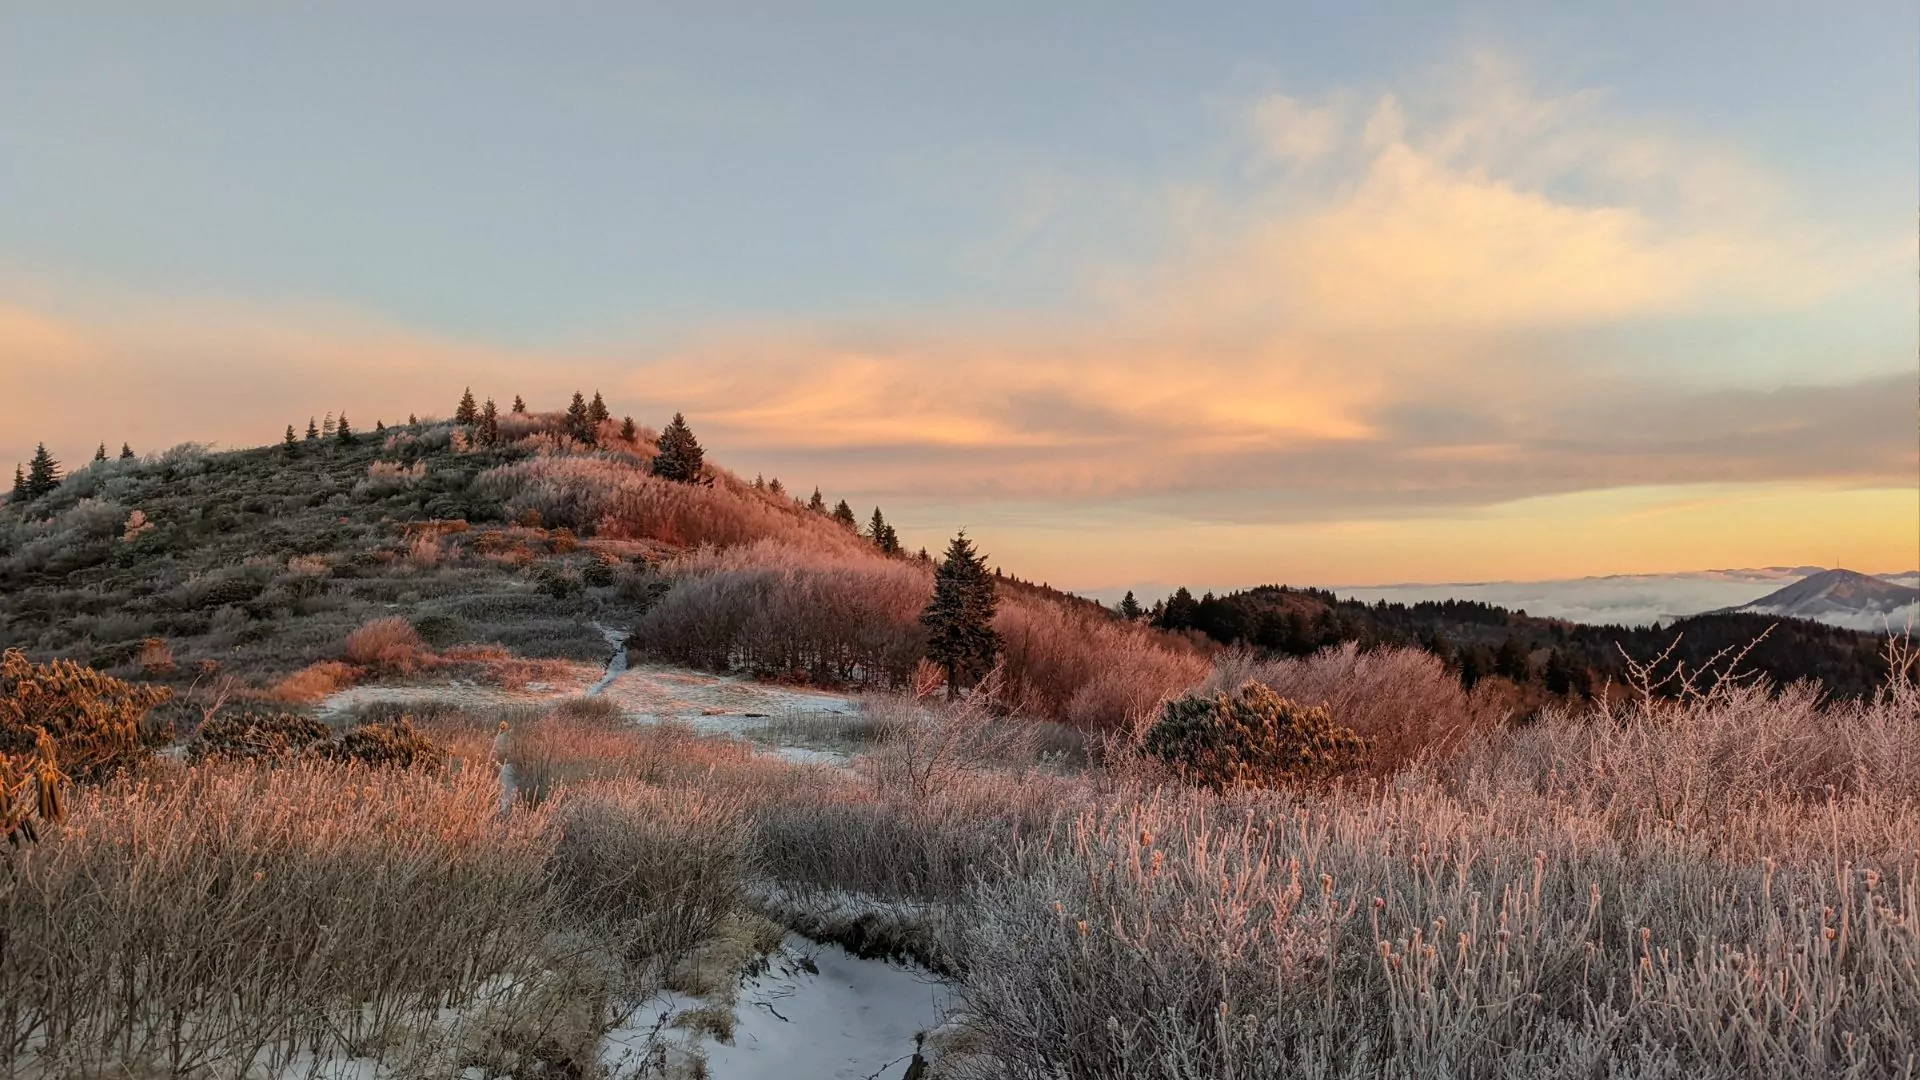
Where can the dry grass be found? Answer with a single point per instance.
(389, 645)
(225, 915)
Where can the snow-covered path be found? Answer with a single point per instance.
(816, 1011)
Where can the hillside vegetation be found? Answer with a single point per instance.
(1348, 861)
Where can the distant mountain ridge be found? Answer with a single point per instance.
(1841, 597)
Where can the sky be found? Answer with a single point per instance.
(1217, 294)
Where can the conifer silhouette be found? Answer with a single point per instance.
(43, 473)
(466, 412)
(959, 618)
(680, 456)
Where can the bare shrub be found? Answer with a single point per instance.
(1095, 672)
(388, 644)
(233, 918)
(155, 658)
(389, 478)
(1402, 701)
(654, 868)
(929, 742)
(315, 682)
(783, 611)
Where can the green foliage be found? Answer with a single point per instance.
(126, 452)
(959, 618)
(519, 406)
(558, 582)
(1254, 738)
(680, 457)
(1129, 607)
(395, 743)
(467, 411)
(43, 473)
(817, 504)
(19, 494)
(596, 575)
(578, 423)
(487, 431)
(882, 534)
(344, 432)
(843, 514)
(267, 737)
(313, 430)
(597, 412)
(628, 432)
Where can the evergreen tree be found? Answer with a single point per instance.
(817, 504)
(1512, 661)
(628, 432)
(1181, 611)
(680, 456)
(126, 452)
(759, 482)
(519, 406)
(313, 430)
(291, 445)
(489, 429)
(1129, 607)
(466, 412)
(19, 486)
(43, 473)
(344, 433)
(597, 412)
(412, 420)
(773, 485)
(843, 514)
(959, 618)
(882, 534)
(577, 425)
(379, 427)
(326, 427)
(100, 454)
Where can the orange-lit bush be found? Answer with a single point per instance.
(389, 644)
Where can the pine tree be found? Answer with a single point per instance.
(680, 456)
(379, 427)
(843, 514)
(126, 452)
(326, 427)
(100, 454)
(313, 430)
(489, 431)
(412, 420)
(466, 412)
(774, 486)
(290, 445)
(43, 473)
(959, 618)
(343, 432)
(519, 406)
(597, 412)
(1129, 607)
(759, 482)
(817, 504)
(628, 432)
(19, 486)
(882, 534)
(577, 418)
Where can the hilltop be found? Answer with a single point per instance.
(1840, 597)
(504, 547)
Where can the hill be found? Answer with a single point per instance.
(1840, 597)
(254, 564)
(1477, 640)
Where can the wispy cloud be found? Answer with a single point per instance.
(1399, 309)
